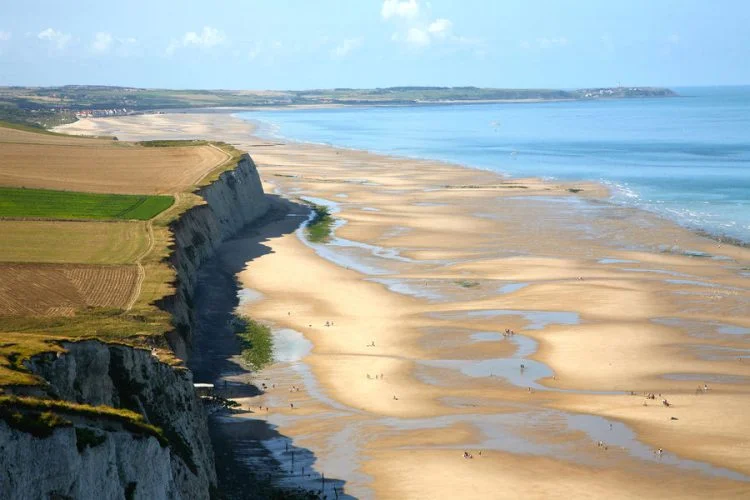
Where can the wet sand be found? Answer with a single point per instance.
(431, 263)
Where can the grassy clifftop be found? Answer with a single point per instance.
(56, 292)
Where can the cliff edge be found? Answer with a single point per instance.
(117, 420)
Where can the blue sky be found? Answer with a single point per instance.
(295, 44)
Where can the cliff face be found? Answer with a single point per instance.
(95, 373)
(119, 463)
(122, 466)
(232, 202)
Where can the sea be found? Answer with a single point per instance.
(686, 158)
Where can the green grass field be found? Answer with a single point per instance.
(66, 205)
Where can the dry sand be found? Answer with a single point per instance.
(604, 300)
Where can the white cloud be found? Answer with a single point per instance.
(347, 46)
(440, 28)
(407, 9)
(438, 31)
(418, 30)
(418, 37)
(206, 39)
(102, 42)
(105, 43)
(5, 36)
(57, 38)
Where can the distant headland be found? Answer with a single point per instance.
(51, 106)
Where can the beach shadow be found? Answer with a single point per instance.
(214, 344)
(253, 460)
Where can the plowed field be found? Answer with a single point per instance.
(100, 166)
(52, 289)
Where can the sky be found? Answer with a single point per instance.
(301, 44)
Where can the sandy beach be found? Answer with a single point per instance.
(521, 321)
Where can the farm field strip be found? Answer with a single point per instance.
(11, 132)
(52, 289)
(66, 205)
(84, 237)
(106, 166)
(72, 242)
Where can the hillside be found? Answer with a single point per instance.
(50, 106)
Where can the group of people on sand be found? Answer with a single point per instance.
(293, 388)
(508, 333)
(652, 396)
(603, 445)
(468, 455)
(377, 377)
(327, 323)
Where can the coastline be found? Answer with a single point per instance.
(376, 104)
(490, 235)
(603, 190)
(694, 178)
